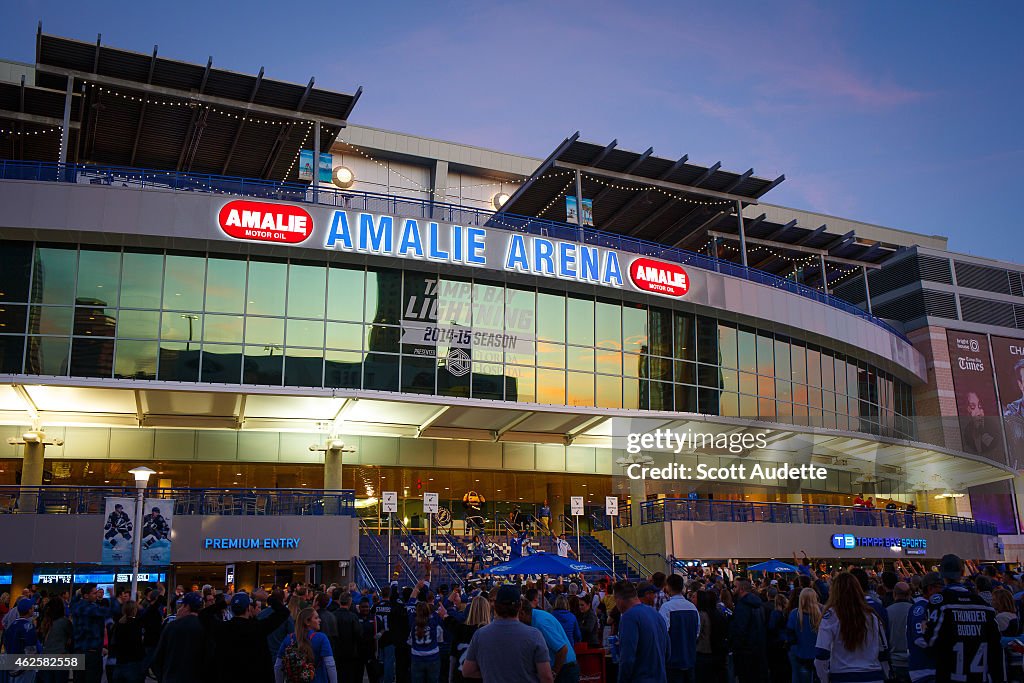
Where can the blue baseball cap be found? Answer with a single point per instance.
(193, 600)
(24, 606)
(240, 602)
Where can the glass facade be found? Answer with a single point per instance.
(187, 317)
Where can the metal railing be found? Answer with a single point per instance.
(364, 577)
(382, 555)
(683, 509)
(91, 500)
(415, 208)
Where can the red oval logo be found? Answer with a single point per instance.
(265, 222)
(659, 277)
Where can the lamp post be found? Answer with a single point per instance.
(142, 475)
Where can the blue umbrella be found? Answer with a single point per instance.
(773, 566)
(543, 563)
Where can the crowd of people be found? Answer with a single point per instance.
(955, 622)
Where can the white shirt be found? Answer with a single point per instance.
(563, 547)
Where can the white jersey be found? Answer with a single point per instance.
(562, 546)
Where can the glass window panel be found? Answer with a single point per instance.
(53, 278)
(828, 372)
(686, 398)
(418, 374)
(728, 346)
(266, 289)
(608, 324)
(662, 396)
(746, 343)
(608, 361)
(268, 331)
(223, 328)
(380, 372)
(550, 317)
(135, 359)
(488, 306)
(225, 285)
(659, 368)
(184, 282)
(98, 277)
(13, 318)
(730, 380)
(728, 405)
(782, 361)
(520, 311)
(383, 296)
(783, 390)
(551, 386)
(307, 292)
(15, 270)
(707, 340)
(634, 328)
(95, 321)
(345, 293)
(138, 324)
(181, 326)
(766, 408)
(382, 338)
(305, 333)
(828, 401)
(51, 320)
(748, 383)
(344, 336)
(221, 364)
(452, 378)
(581, 389)
(633, 365)
(765, 386)
(708, 401)
(522, 384)
(660, 332)
(47, 355)
(814, 398)
(840, 376)
(455, 302)
(813, 367)
(343, 369)
(142, 276)
(799, 362)
(609, 391)
(684, 337)
(800, 394)
(630, 393)
(748, 406)
(92, 357)
(488, 380)
(765, 355)
(580, 358)
(686, 373)
(178, 362)
(852, 388)
(709, 375)
(521, 358)
(551, 355)
(580, 321)
(263, 365)
(784, 411)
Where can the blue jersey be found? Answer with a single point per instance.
(20, 637)
(515, 548)
(920, 662)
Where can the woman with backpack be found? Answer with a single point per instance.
(305, 656)
(426, 652)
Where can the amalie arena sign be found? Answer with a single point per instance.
(410, 238)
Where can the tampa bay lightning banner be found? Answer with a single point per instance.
(153, 535)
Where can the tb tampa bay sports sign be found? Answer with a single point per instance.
(440, 242)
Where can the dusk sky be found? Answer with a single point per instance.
(903, 114)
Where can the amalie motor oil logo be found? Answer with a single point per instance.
(659, 277)
(265, 222)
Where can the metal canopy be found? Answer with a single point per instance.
(30, 119)
(635, 193)
(147, 111)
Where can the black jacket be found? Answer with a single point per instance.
(240, 647)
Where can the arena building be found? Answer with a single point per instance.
(430, 317)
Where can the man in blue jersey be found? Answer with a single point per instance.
(920, 662)
(516, 545)
(683, 621)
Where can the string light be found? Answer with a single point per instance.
(27, 133)
(302, 145)
(678, 197)
(190, 104)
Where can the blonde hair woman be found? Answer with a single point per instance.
(478, 616)
(803, 623)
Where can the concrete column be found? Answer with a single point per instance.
(438, 184)
(332, 470)
(31, 475)
(637, 494)
(557, 502)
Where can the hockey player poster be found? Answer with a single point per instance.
(118, 525)
(155, 532)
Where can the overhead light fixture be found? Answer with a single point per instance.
(499, 199)
(948, 494)
(343, 177)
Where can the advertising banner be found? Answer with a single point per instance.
(571, 213)
(976, 402)
(326, 165)
(1009, 368)
(119, 531)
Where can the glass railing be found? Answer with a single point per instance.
(414, 208)
(683, 509)
(91, 500)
